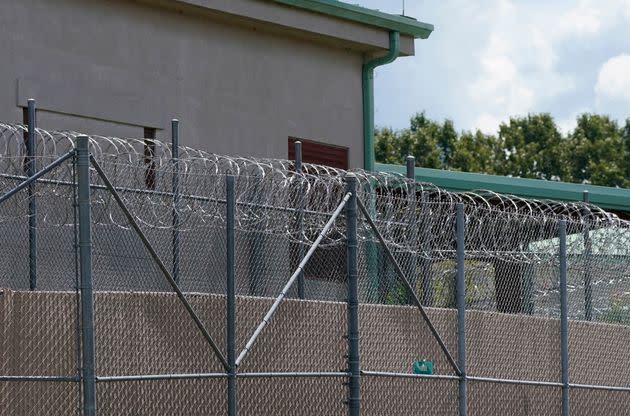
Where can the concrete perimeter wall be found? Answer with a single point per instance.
(150, 333)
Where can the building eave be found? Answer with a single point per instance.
(403, 24)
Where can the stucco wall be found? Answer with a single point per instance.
(151, 334)
(111, 67)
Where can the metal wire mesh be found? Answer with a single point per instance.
(34, 346)
(599, 366)
(393, 338)
(509, 347)
(501, 399)
(292, 396)
(39, 338)
(168, 397)
(151, 334)
(15, 252)
(404, 396)
(510, 242)
(585, 401)
(511, 274)
(40, 398)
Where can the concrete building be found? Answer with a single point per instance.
(243, 76)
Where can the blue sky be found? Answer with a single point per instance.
(488, 60)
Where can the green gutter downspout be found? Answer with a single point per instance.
(368, 98)
(376, 282)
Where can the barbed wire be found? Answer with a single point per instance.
(414, 217)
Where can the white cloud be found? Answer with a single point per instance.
(613, 81)
(488, 123)
(518, 64)
(585, 19)
(568, 123)
(491, 59)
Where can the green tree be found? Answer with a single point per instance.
(532, 147)
(385, 146)
(433, 143)
(404, 146)
(475, 153)
(447, 143)
(598, 152)
(425, 149)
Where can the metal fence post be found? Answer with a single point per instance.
(231, 294)
(461, 311)
(564, 319)
(413, 225)
(300, 219)
(31, 169)
(176, 196)
(411, 165)
(588, 286)
(354, 385)
(85, 261)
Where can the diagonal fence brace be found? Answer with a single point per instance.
(410, 289)
(160, 264)
(38, 175)
(292, 279)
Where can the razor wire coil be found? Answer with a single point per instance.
(270, 193)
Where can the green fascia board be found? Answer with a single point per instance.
(614, 199)
(404, 25)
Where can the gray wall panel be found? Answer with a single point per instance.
(237, 89)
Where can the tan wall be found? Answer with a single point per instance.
(112, 67)
(151, 334)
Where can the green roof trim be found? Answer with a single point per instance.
(404, 25)
(614, 199)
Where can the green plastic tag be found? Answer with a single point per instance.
(423, 367)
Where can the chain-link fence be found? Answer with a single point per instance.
(433, 301)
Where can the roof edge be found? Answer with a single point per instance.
(405, 25)
(617, 199)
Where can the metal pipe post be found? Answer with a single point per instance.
(588, 285)
(300, 217)
(564, 319)
(413, 225)
(32, 199)
(367, 79)
(354, 385)
(461, 311)
(176, 196)
(231, 294)
(85, 261)
(411, 165)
